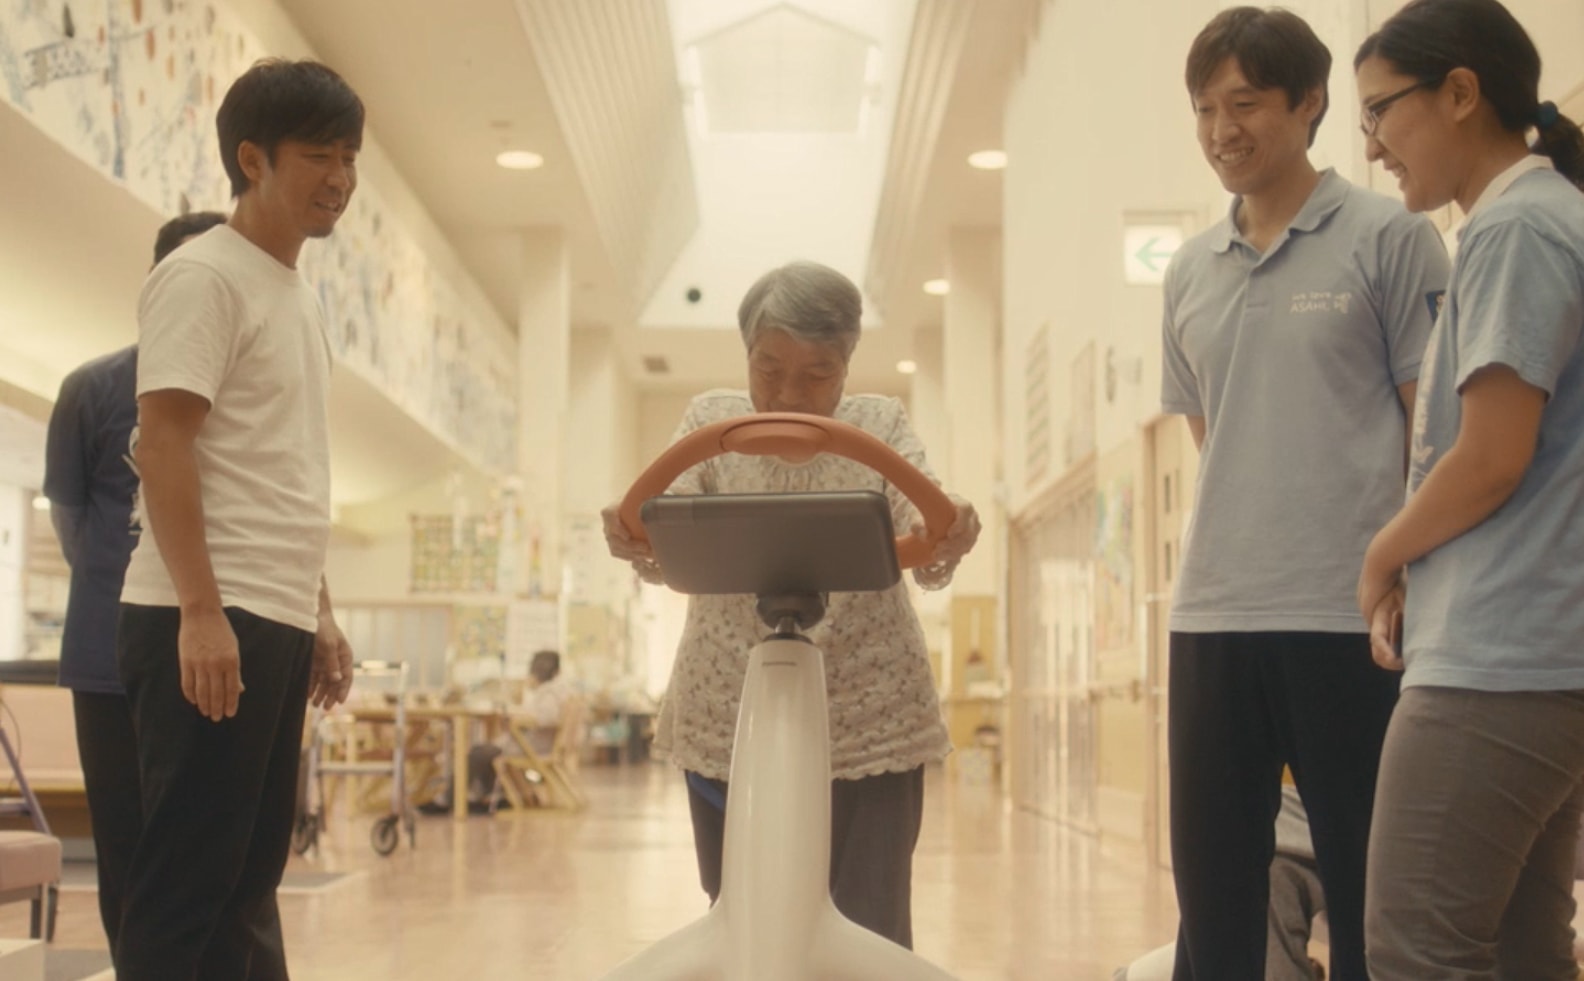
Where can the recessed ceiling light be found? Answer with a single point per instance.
(988, 160)
(937, 287)
(41, 503)
(907, 366)
(519, 159)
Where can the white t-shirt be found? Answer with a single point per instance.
(543, 706)
(885, 716)
(545, 703)
(223, 319)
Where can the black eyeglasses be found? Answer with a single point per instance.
(1370, 115)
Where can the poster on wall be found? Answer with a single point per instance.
(531, 625)
(1113, 552)
(1037, 407)
(479, 636)
(451, 555)
(1080, 441)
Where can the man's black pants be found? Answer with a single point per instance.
(218, 800)
(1241, 706)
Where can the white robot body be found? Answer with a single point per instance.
(775, 920)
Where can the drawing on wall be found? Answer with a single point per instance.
(451, 555)
(125, 86)
(1081, 413)
(1114, 564)
(131, 87)
(1037, 406)
(479, 632)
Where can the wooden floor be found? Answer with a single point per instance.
(998, 894)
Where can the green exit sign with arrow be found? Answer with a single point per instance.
(1146, 251)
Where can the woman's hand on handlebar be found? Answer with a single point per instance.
(627, 548)
(949, 551)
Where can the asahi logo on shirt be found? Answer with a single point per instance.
(1321, 301)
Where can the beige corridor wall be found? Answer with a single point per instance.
(1099, 126)
(1098, 129)
(659, 415)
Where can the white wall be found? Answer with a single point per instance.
(601, 461)
(370, 555)
(1093, 129)
(602, 458)
(659, 416)
(14, 505)
(1099, 126)
(370, 561)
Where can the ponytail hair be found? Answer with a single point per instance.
(1562, 140)
(1427, 39)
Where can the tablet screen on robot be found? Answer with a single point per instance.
(773, 543)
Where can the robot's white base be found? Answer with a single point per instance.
(775, 920)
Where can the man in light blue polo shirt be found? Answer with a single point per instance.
(1293, 335)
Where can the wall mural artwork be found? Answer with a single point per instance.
(456, 554)
(1081, 422)
(1113, 554)
(131, 87)
(1037, 407)
(479, 633)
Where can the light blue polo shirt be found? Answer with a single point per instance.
(1501, 607)
(1293, 358)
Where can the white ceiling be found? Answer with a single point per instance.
(450, 85)
(783, 70)
(467, 83)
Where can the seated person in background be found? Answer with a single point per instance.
(543, 705)
(1295, 900)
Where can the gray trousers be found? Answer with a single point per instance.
(1472, 846)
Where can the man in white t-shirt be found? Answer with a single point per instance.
(226, 631)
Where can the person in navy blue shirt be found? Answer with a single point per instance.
(90, 486)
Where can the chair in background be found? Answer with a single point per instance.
(529, 778)
(30, 861)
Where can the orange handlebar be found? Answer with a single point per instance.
(798, 437)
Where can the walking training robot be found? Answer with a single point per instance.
(774, 920)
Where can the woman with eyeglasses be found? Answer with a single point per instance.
(1482, 775)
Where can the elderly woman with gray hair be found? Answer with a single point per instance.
(800, 324)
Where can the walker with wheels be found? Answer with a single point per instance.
(385, 834)
(774, 919)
